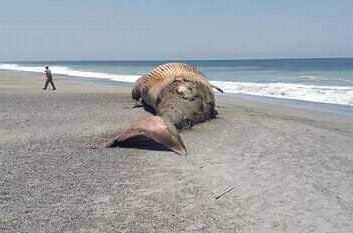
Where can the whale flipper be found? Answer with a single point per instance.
(153, 128)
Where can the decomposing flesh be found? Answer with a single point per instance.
(179, 96)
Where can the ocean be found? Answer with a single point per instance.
(326, 80)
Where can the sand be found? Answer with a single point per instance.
(290, 170)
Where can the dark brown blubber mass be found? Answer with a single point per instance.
(185, 103)
(180, 96)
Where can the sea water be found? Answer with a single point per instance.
(314, 80)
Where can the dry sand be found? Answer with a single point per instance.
(291, 170)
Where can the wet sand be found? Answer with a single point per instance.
(289, 170)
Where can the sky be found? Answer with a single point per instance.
(45, 30)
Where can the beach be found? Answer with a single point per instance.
(257, 167)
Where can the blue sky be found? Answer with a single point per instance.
(174, 29)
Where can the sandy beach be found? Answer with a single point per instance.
(286, 169)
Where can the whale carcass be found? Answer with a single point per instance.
(179, 96)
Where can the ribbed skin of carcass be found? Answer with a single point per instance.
(165, 74)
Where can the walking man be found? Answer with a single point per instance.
(49, 79)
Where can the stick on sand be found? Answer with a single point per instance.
(225, 192)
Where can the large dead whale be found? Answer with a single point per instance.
(179, 96)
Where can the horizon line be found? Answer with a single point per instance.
(192, 59)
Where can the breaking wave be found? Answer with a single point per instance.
(314, 93)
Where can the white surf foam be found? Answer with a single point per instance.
(322, 94)
(62, 70)
(314, 93)
(308, 77)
